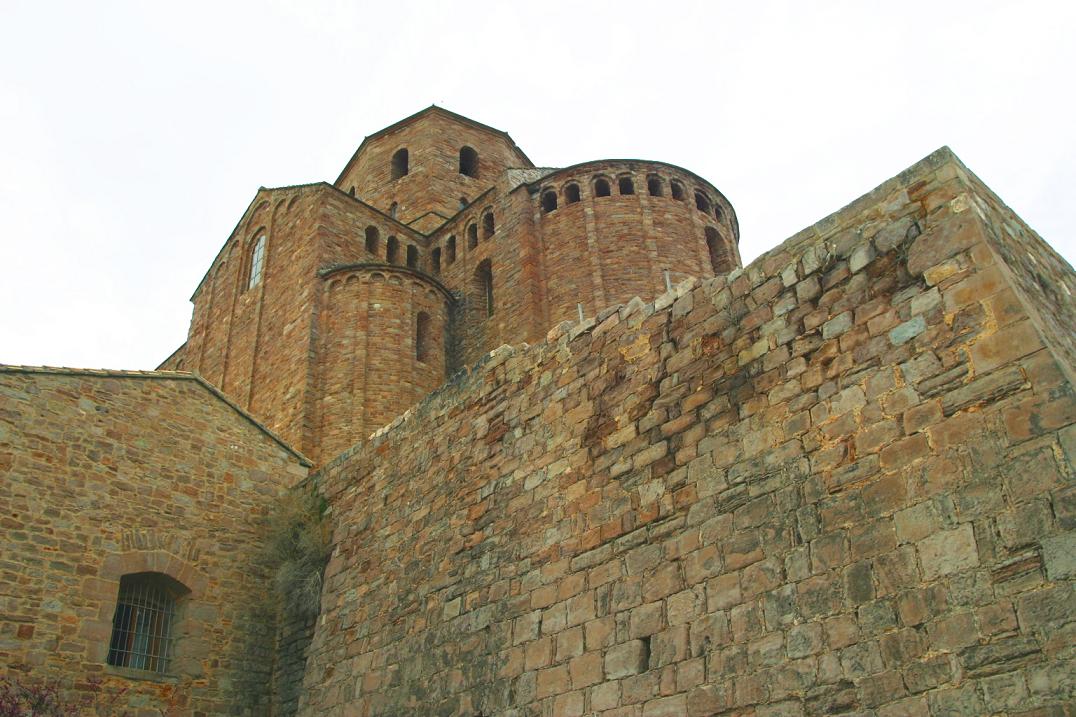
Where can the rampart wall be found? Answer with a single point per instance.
(837, 481)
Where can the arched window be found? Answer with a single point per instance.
(571, 193)
(412, 256)
(483, 284)
(394, 209)
(468, 162)
(351, 191)
(373, 238)
(626, 185)
(720, 261)
(677, 190)
(422, 336)
(450, 250)
(653, 186)
(392, 250)
(143, 626)
(463, 202)
(549, 201)
(702, 203)
(400, 163)
(717, 211)
(472, 236)
(257, 262)
(487, 225)
(601, 187)
(435, 260)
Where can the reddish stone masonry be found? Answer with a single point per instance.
(836, 481)
(467, 237)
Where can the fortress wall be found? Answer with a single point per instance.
(368, 366)
(1041, 279)
(838, 481)
(434, 183)
(110, 473)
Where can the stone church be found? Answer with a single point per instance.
(572, 457)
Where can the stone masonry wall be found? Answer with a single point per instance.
(601, 251)
(839, 481)
(431, 191)
(109, 473)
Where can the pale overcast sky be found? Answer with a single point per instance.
(133, 135)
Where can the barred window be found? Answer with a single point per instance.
(143, 627)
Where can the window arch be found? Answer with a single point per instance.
(654, 187)
(394, 209)
(422, 336)
(401, 164)
(468, 162)
(143, 625)
(571, 193)
(483, 284)
(373, 238)
(435, 260)
(717, 211)
(392, 250)
(549, 201)
(488, 226)
(412, 256)
(463, 202)
(472, 235)
(720, 260)
(256, 263)
(351, 191)
(702, 202)
(601, 187)
(625, 185)
(677, 190)
(450, 250)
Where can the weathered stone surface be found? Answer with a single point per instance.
(868, 538)
(116, 473)
(948, 552)
(834, 482)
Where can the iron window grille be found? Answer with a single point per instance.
(142, 627)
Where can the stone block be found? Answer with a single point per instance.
(1059, 556)
(628, 658)
(1003, 655)
(948, 552)
(907, 331)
